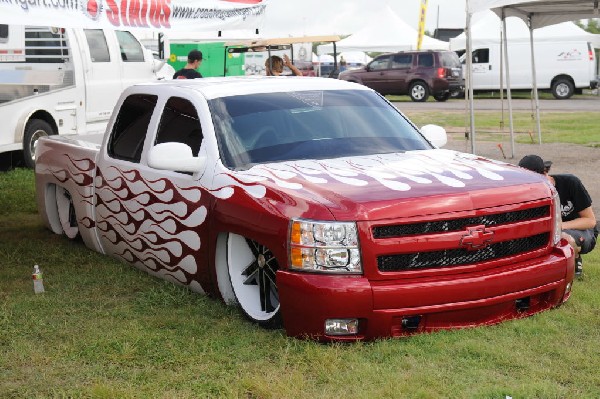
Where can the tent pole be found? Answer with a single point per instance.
(469, 81)
(535, 90)
(508, 92)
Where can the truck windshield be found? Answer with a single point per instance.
(275, 127)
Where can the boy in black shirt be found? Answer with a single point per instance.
(578, 219)
(193, 63)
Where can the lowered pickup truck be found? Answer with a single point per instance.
(311, 204)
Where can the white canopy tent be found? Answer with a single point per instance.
(536, 14)
(486, 28)
(385, 32)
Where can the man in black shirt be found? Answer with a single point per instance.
(578, 219)
(189, 71)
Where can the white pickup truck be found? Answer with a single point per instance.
(311, 203)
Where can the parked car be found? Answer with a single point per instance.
(414, 73)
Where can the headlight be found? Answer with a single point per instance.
(328, 247)
(557, 229)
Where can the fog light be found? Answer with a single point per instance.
(341, 326)
(568, 288)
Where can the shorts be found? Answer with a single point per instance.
(586, 239)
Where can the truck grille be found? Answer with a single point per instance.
(444, 226)
(460, 256)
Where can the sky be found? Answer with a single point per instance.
(343, 17)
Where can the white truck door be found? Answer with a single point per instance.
(136, 63)
(103, 75)
(484, 72)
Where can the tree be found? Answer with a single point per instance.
(592, 25)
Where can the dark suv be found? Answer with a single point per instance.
(416, 73)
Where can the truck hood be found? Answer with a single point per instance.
(382, 186)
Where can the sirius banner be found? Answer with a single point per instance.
(163, 15)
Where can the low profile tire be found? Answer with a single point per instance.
(252, 269)
(66, 213)
(441, 97)
(34, 130)
(419, 92)
(562, 89)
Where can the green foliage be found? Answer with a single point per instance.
(104, 329)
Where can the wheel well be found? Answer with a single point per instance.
(562, 77)
(223, 282)
(412, 82)
(46, 117)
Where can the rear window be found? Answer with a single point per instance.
(450, 60)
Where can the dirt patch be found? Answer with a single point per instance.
(582, 161)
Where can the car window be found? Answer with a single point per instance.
(131, 49)
(426, 60)
(402, 61)
(481, 56)
(450, 59)
(275, 127)
(179, 123)
(97, 45)
(380, 63)
(129, 131)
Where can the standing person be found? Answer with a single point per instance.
(274, 66)
(578, 219)
(190, 70)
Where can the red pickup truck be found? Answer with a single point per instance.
(312, 204)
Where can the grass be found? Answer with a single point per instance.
(104, 329)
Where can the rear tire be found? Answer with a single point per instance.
(34, 130)
(419, 92)
(563, 89)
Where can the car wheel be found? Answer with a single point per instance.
(34, 130)
(441, 97)
(562, 89)
(419, 92)
(252, 269)
(66, 212)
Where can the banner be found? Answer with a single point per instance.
(144, 15)
(422, 13)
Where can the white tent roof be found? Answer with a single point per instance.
(541, 12)
(385, 32)
(486, 30)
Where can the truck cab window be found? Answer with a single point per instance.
(131, 49)
(3, 33)
(481, 56)
(129, 131)
(402, 61)
(97, 45)
(179, 123)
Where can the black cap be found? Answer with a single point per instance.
(195, 55)
(533, 163)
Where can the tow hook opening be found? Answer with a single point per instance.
(522, 304)
(411, 323)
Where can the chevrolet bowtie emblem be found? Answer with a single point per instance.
(477, 237)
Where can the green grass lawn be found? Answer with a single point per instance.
(104, 329)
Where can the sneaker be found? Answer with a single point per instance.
(578, 266)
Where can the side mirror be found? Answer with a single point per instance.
(435, 134)
(175, 157)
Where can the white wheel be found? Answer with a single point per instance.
(66, 212)
(252, 269)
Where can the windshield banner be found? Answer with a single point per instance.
(148, 15)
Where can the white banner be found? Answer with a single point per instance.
(145, 15)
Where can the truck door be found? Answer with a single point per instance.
(134, 68)
(484, 72)
(103, 76)
(155, 219)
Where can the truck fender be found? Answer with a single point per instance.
(32, 113)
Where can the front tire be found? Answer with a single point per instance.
(419, 92)
(252, 268)
(34, 130)
(563, 89)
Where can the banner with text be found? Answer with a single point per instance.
(149, 15)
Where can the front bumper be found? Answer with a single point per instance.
(446, 302)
